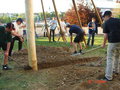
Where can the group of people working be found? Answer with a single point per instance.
(80, 33)
(111, 30)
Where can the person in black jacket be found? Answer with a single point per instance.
(93, 28)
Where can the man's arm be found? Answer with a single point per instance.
(96, 31)
(90, 26)
(16, 34)
(71, 39)
(105, 31)
(105, 40)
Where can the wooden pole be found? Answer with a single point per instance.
(75, 7)
(93, 49)
(96, 11)
(79, 20)
(46, 26)
(63, 37)
(31, 35)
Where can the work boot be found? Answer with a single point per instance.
(5, 67)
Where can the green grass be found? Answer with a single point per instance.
(45, 42)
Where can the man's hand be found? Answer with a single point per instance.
(21, 39)
(15, 34)
(103, 45)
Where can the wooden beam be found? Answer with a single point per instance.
(79, 20)
(31, 35)
(97, 13)
(46, 25)
(75, 7)
(63, 37)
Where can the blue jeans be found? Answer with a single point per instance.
(89, 38)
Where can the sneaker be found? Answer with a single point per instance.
(75, 53)
(5, 67)
(81, 52)
(105, 79)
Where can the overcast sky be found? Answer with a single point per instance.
(18, 6)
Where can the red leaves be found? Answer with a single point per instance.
(85, 12)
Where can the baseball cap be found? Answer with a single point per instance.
(107, 13)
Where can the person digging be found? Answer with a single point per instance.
(77, 40)
(6, 33)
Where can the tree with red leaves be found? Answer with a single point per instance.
(85, 12)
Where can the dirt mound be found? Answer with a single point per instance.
(52, 57)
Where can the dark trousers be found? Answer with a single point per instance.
(89, 38)
(52, 32)
(12, 44)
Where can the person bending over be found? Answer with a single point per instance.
(6, 33)
(78, 39)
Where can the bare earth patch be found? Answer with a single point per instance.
(60, 71)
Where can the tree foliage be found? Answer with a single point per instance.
(5, 19)
(85, 12)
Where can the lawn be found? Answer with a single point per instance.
(44, 41)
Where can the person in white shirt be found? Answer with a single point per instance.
(64, 30)
(53, 25)
(18, 29)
